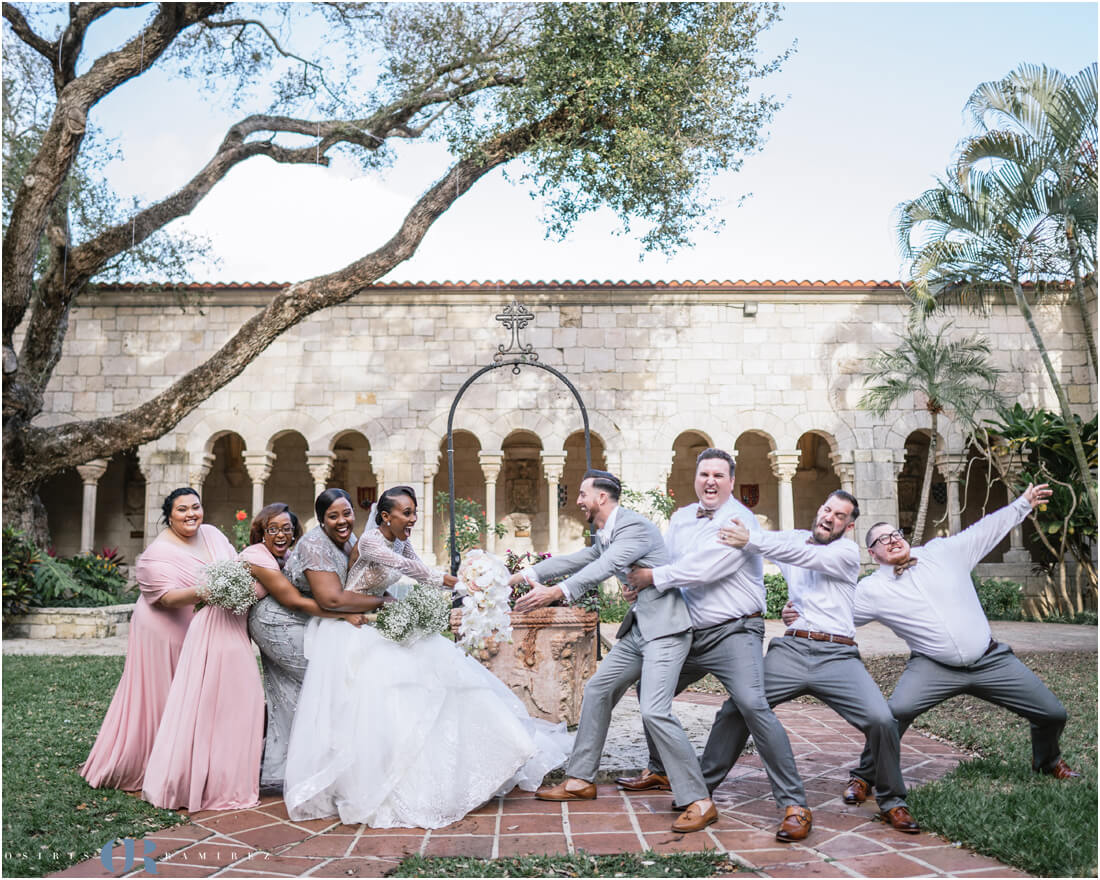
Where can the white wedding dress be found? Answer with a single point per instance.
(398, 736)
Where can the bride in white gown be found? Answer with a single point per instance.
(414, 735)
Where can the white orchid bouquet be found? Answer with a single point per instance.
(227, 584)
(483, 586)
(423, 612)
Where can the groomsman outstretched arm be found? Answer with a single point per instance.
(818, 654)
(652, 643)
(724, 591)
(925, 595)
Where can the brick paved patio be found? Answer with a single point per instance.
(846, 841)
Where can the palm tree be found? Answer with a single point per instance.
(1045, 124)
(948, 375)
(967, 243)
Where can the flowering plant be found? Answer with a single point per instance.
(227, 584)
(483, 586)
(241, 529)
(423, 612)
(471, 525)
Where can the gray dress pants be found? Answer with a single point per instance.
(835, 675)
(657, 663)
(734, 653)
(1000, 678)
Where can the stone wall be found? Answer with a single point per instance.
(754, 368)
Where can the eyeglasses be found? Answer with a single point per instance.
(280, 530)
(883, 540)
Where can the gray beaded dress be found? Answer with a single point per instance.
(279, 632)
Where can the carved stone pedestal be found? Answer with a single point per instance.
(552, 655)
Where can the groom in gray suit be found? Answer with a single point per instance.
(653, 641)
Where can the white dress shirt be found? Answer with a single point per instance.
(933, 605)
(718, 582)
(604, 535)
(821, 578)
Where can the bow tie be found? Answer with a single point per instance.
(903, 567)
(702, 513)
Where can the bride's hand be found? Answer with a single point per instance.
(449, 581)
(355, 620)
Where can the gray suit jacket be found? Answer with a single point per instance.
(634, 541)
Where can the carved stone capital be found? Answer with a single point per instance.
(491, 463)
(784, 464)
(553, 464)
(320, 465)
(91, 471)
(258, 465)
(200, 468)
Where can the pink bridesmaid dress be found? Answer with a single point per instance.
(207, 750)
(121, 750)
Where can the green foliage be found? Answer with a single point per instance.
(242, 529)
(613, 606)
(470, 524)
(53, 707)
(775, 592)
(580, 864)
(653, 504)
(33, 578)
(1000, 598)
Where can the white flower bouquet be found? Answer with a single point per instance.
(228, 584)
(483, 586)
(423, 612)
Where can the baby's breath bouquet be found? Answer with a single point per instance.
(228, 584)
(423, 612)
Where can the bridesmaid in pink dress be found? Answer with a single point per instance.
(207, 750)
(167, 573)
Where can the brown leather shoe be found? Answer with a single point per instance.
(857, 791)
(1061, 770)
(646, 780)
(900, 819)
(586, 791)
(796, 825)
(695, 818)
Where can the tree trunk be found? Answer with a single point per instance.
(1079, 291)
(1063, 401)
(25, 512)
(926, 486)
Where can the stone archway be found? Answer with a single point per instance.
(469, 483)
(227, 487)
(353, 471)
(755, 484)
(815, 477)
(681, 476)
(572, 524)
(909, 481)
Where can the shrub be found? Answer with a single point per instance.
(1000, 599)
(775, 589)
(470, 523)
(20, 559)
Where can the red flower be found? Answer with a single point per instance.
(242, 515)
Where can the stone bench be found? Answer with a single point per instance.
(70, 623)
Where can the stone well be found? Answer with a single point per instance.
(70, 623)
(551, 656)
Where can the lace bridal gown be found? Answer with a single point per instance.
(398, 736)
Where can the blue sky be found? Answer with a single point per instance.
(873, 110)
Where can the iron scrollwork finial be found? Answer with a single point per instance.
(516, 317)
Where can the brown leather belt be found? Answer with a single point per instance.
(820, 637)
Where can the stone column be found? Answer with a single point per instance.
(1017, 553)
(196, 475)
(320, 468)
(784, 466)
(90, 474)
(553, 463)
(427, 508)
(491, 462)
(953, 465)
(258, 465)
(845, 469)
(165, 470)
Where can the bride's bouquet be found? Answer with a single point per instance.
(483, 586)
(227, 584)
(423, 612)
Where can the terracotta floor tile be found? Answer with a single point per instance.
(844, 845)
(530, 805)
(92, 868)
(180, 832)
(389, 832)
(654, 822)
(806, 869)
(529, 844)
(592, 823)
(952, 858)
(842, 819)
(476, 847)
(886, 865)
(651, 803)
(323, 846)
(276, 809)
(272, 836)
(533, 823)
(672, 842)
(738, 841)
(227, 823)
(489, 809)
(218, 852)
(470, 825)
(609, 803)
(292, 866)
(999, 871)
(316, 826)
(356, 868)
(169, 870)
(607, 844)
(388, 845)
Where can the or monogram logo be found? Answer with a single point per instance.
(147, 846)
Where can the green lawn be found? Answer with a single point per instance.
(994, 804)
(53, 707)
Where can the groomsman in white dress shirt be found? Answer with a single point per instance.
(925, 595)
(724, 591)
(818, 654)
